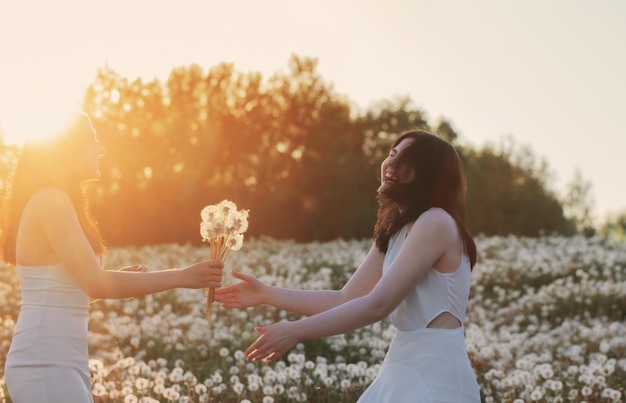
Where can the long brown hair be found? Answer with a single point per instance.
(439, 182)
(46, 164)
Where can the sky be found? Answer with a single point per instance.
(548, 73)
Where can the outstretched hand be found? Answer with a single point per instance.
(203, 274)
(247, 293)
(275, 340)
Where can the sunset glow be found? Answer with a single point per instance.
(549, 74)
(36, 124)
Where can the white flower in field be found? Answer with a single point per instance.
(518, 401)
(554, 385)
(585, 378)
(239, 355)
(171, 394)
(268, 399)
(254, 378)
(536, 395)
(270, 376)
(98, 389)
(216, 378)
(253, 386)
(599, 381)
(176, 375)
(94, 316)
(614, 395)
(292, 392)
(279, 389)
(127, 390)
(293, 373)
(189, 378)
(345, 384)
(130, 399)
(127, 362)
(598, 358)
(95, 365)
(141, 383)
(605, 346)
(572, 370)
(238, 388)
(224, 352)
(545, 370)
(586, 391)
(281, 377)
(201, 389)
(158, 388)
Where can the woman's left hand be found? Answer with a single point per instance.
(275, 339)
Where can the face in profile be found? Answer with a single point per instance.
(393, 172)
(86, 150)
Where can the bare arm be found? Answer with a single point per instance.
(59, 223)
(426, 242)
(252, 292)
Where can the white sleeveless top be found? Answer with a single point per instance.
(48, 359)
(436, 293)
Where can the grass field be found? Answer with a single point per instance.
(546, 323)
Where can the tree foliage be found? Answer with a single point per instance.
(288, 148)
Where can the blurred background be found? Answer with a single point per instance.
(288, 107)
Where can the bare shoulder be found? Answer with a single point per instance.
(50, 198)
(437, 217)
(49, 204)
(435, 226)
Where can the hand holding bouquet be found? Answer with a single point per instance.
(222, 227)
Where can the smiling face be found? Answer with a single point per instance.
(392, 171)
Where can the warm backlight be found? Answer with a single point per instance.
(34, 125)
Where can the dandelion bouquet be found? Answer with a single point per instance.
(222, 227)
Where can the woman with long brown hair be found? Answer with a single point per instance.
(48, 235)
(417, 273)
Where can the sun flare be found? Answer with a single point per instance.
(35, 124)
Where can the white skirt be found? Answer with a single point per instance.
(427, 366)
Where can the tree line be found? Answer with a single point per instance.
(299, 156)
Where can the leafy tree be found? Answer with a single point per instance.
(288, 148)
(504, 198)
(578, 204)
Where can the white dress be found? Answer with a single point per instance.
(48, 359)
(427, 365)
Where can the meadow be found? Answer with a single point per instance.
(546, 323)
